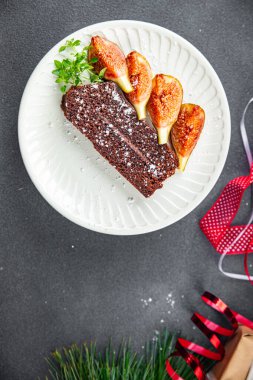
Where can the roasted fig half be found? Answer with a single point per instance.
(110, 56)
(164, 104)
(140, 76)
(186, 131)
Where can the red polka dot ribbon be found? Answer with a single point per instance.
(217, 223)
(210, 330)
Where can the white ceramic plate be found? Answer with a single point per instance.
(72, 176)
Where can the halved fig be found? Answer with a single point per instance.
(186, 131)
(110, 56)
(140, 76)
(164, 104)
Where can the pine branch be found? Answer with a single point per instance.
(84, 363)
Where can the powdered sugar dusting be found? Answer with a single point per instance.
(102, 113)
(166, 305)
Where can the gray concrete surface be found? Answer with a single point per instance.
(60, 283)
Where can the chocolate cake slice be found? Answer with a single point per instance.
(102, 113)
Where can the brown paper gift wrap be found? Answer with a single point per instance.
(238, 357)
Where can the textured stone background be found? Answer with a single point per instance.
(53, 294)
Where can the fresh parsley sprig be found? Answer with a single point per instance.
(76, 67)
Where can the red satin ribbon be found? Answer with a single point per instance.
(210, 330)
(216, 224)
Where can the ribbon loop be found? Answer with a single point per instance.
(209, 329)
(216, 224)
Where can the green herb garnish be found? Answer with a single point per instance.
(76, 68)
(70, 43)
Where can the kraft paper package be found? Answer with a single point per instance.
(237, 363)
